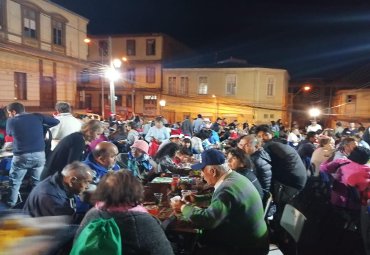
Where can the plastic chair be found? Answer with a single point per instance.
(293, 221)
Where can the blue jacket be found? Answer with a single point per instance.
(99, 169)
(27, 131)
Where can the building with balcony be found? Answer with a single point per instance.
(41, 53)
(256, 95)
(140, 84)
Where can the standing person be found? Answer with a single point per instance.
(314, 126)
(197, 124)
(67, 123)
(132, 134)
(186, 127)
(307, 147)
(156, 135)
(234, 221)
(72, 147)
(28, 146)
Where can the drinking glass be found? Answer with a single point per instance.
(158, 197)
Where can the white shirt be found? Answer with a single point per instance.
(67, 125)
(314, 128)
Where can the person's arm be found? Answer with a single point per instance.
(50, 121)
(212, 216)
(149, 135)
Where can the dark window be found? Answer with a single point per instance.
(103, 48)
(20, 86)
(351, 99)
(130, 47)
(58, 32)
(150, 101)
(172, 85)
(130, 75)
(150, 47)
(128, 101)
(150, 74)
(29, 23)
(184, 86)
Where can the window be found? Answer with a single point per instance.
(265, 116)
(29, 23)
(85, 76)
(172, 85)
(272, 116)
(230, 84)
(350, 98)
(203, 85)
(130, 75)
(20, 86)
(150, 47)
(150, 101)
(184, 86)
(58, 32)
(270, 86)
(130, 47)
(103, 48)
(128, 101)
(150, 74)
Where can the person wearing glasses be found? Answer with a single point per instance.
(57, 194)
(233, 223)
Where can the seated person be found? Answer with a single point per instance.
(57, 194)
(119, 195)
(137, 160)
(165, 157)
(102, 159)
(234, 220)
(240, 162)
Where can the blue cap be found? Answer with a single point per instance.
(210, 157)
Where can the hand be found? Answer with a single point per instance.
(176, 205)
(189, 198)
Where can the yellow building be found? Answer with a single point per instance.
(256, 95)
(140, 84)
(351, 105)
(41, 52)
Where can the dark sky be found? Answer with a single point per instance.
(320, 39)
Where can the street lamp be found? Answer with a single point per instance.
(162, 103)
(113, 75)
(314, 112)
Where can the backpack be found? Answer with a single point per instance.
(100, 236)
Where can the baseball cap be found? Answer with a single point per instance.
(210, 157)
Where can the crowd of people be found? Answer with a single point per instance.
(95, 169)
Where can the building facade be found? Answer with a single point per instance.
(41, 53)
(256, 95)
(351, 105)
(140, 83)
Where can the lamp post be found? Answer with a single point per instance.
(162, 103)
(305, 88)
(113, 75)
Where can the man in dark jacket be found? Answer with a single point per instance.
(289, 175)
(307, 147)
(27, 130)
(56, 195)
(252, 146)
(217, 125)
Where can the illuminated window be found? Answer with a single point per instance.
(150, 47)
(58, 32)
(150, 74)
(172, 85)
(150, 101)
(29, 23)
(203, 85)
(184, 86)
(130, 47)
(230, 84)
(270, 86)
(20, 86)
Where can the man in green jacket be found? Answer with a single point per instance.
(234, 221)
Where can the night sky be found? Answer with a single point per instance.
(308, 38)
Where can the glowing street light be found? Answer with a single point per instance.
(314, 112)
(113, 75)
(307, 87)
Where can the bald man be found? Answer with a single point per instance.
(103, 159)
(57, 194)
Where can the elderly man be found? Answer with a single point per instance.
(67, 123)
(252, 146)
(234, 220)
(56, 195)
(102, 159)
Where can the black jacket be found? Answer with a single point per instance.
(287, 166)
(261, 160)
